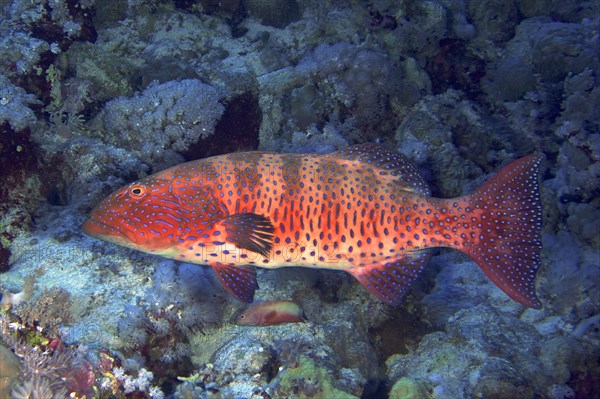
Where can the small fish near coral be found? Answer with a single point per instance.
(364, 210)
(270, 313)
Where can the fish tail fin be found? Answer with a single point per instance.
(501, 229)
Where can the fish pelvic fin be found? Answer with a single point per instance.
(240, 282)
(501, 230)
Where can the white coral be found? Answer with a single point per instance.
(155, 393)
(167, 117)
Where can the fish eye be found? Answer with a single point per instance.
(138, 190)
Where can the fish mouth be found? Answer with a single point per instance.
(95, 228)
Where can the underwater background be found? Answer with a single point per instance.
(96, 94)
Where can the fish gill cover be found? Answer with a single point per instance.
(95, 96)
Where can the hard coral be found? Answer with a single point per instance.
(454, 66)
(164, 121)
(15, 106)
(159, 328)
(276, 13)
(57, 21)
(35, 33)
(20, 188)
(51, 309)
(336, 88)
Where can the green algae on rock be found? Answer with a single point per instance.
(308, 381)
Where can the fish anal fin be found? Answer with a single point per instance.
(390, 281)
(240, 282)
(248, 231)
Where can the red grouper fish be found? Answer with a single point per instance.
(364, 210)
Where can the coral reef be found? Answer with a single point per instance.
(405, 388)
(93, 96)
(50, 309)
(15, 103)
(164, 121)
(157, 331)
(275, 13)
(477, 370)
(307, 381)
(46, 368)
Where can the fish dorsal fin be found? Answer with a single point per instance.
(248, 231)
(391, 281)
(387, 163)
(239, 282)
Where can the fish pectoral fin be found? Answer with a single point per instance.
(240, 282)
(390, 281)
(248, 231)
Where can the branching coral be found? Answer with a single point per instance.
(48, 312)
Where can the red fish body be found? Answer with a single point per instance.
(364, 210)
(270, 313)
